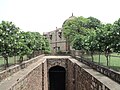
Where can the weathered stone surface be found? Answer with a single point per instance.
(114, 75)
(78, 76)
(10, 71)
(33, 81)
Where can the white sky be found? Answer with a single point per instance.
(46, 15)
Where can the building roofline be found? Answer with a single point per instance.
(57, 29)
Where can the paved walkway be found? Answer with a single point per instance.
(102, 78)
(11, 80)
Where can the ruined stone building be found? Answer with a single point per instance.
(57, 41)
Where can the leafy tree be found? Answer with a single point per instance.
(107, 40)
(99, 38)
(74, 27)
(45, 45)
(116, 36)
(8, 35)
(94, 23)
(78, 43)
(14, 42)
(90, 42)
(24, 45)
(69, 29)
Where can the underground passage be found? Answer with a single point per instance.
(57, 78)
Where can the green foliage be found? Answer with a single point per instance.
(91, 35)
(74, 27)
(14, 42)
(116, 36)
(94, 23)
(8, 38)
(78, 43)
(46, 46)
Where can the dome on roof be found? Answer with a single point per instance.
(70, 18)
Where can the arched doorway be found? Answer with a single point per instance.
(57, 78)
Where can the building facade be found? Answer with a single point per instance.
(57, 41)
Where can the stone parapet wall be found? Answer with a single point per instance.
(85, 81)
(70, 75)
(114, 75)
(11, 70)
(45, 75)
(31, 81)
(78, 76)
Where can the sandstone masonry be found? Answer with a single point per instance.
(78, 76)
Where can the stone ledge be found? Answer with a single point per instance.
(98, 77)
(12, 81)
(80, 76)
(13, 69)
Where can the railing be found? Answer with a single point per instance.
(102, 69)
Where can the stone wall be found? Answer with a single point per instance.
(11, 70)
(78, 77)
(85, 81)
(114, 75)
(51, 62)
(32, 81)
(70, 75)
(45, 76)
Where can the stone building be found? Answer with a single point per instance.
(57, 41)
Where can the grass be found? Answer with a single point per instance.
(11, 60)
(114, 62)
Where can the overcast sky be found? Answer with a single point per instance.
(46, 15)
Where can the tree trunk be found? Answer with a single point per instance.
(14, 60)
(37, 52)
(33, 54)
(107, 56)
(92, 56)
(99, 57)
(6, 60)
(29, 56)
(21, 59)
(107, 60)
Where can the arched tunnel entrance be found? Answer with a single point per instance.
(57, 78)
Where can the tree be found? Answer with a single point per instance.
(90, 42)
(45, 45)
(78, 43)
(116, 36)
(24, 45)
(105, 40)
(74, 27)
(8, 35)
(94, 23)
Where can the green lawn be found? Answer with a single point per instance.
(11, 60)
(114, 62)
